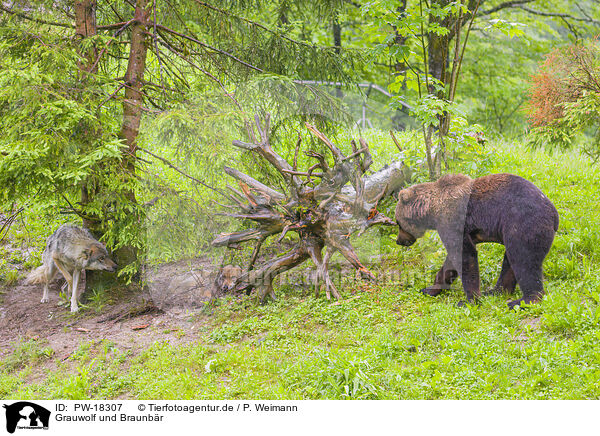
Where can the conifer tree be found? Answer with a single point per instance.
(77, 78)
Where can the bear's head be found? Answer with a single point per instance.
(412, 213)
(429, 205)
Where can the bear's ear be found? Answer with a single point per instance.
(403, 196)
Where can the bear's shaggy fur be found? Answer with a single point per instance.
(501, 208)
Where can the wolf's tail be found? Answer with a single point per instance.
(38, 275)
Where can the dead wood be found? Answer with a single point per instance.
(323, 208)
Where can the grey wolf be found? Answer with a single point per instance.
(70, 250)
(227, 278)
(204, 283)
(501, 208)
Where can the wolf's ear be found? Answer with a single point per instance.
(86, 253)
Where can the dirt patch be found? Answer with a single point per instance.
(133, 323)
(528, 325)
(171, 308)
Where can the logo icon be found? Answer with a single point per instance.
(26, 415)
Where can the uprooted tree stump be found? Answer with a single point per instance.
(324, 214)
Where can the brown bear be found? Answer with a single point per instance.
(501, 208)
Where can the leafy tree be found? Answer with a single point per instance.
(78, 79)
(426, 44)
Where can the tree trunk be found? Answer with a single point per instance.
(132, 110)
(439, 47)
(439, 63)
(85, 27)
(399, 68)
(337, 43)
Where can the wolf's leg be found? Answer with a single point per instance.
(66, 274)
(49, 275)
(74, 286)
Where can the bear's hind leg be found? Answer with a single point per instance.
(507, 282)
(529, 276)
(526, 256)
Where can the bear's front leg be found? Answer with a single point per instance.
(462, 252)
(470, 270)
(443, 279)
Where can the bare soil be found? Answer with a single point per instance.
(133, 323)
(167, 309)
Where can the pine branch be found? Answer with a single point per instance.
(256, 24)
(56, 23)
(36, 20)
(177, 52)
(208, 47)
(272, 48)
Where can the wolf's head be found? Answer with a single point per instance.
(227, 277)
(97, 259)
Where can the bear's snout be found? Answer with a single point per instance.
(404, 238)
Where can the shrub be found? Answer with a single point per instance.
(565, 98)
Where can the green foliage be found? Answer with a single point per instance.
(578, 126)
(60, 131)
(42, 123)
(385, 341)
(56, 139)
(62, 141)
(335, 376)
(31, 352)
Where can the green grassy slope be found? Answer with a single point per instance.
(381, 342)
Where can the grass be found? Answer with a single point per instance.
(30, 352)
(384, 341)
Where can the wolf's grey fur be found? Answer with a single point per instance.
(70, 249)
(205, 284)
(227, 278)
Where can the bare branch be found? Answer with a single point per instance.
(265, 190)
(323, 217)
(395, 140)
(559, 15)
(337, 153)
(507, 4)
